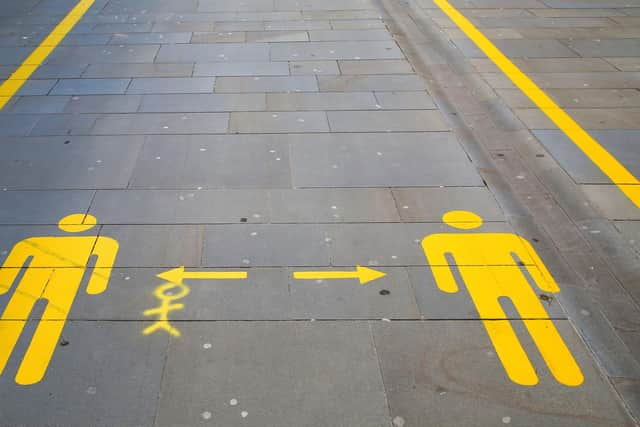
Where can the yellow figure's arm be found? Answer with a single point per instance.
(434, 250)
(106, 249)
(12, 265)
(538, 271)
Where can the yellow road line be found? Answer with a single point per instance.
(10, 86)
(609, 165)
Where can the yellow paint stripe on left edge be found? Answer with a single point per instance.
(626, 182)
(10, 86)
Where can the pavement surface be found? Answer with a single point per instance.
(319, 213)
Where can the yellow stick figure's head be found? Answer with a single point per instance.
(463, 220)
(76, 223)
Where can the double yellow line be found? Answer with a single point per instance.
(10, 86)
(609, 165)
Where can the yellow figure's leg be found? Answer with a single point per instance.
(550, 344)
(509, 349)
(555, 352)
(485, 290)
(17, 311)
(60, 293)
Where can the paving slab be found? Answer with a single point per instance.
(213, 162)
(82, 163)
(327, 362)
(171, 85)
(81, 375)
(194, 103)
(448, 373)
(161, 123)
(346, 160)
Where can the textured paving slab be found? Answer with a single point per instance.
(450, 374)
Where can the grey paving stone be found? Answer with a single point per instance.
(435, 304)
(630, 231)
(621, 144)
(397, 82)
(375, 66)
(14, 55)
(241, 69)
(387, 121)
(213, 162)
(265, 245)
(41, 207)
(38, 105)
(335, 35)
(203, 102)
(106, 54)
(64, 124)
(348, 299)
(83, 163)
(277, 36)
(156, 245)
(335, 50)
(357, 24)
(429, 204)
(223, 6)
(314, 67)
(304, 25)
(161, 123)
(594, 80)
(180, 27)
(182, 207)
(321, 101)
(172, 85)
(446, 365)
(219, 37)
(611, 202)
(119, 27)
(625, 64)
(151, 6)
(405, 100)
(103, 104)
(317, 357)
(80, 375)
(150, 38)
(138, 70)
(90, 86)
(220, 52)
(278, 122)
(266, 84)
(85, 40)
(404, 160)
(600, 48)
(12, 125)
(36, 87)
(520, 49)
(332, 205)
(59, 71)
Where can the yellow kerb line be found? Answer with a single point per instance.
(609, 165)
(10, 86)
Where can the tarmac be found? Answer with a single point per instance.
(298, 213)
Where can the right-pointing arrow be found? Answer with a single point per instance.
(363, 274)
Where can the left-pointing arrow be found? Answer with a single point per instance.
(177, 275)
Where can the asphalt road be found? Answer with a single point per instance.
(319, 213)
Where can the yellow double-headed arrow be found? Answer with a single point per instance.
(363, 274)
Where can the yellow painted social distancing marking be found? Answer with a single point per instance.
(363, 274)
(608, 164)
(10, 86)
(486, 264)
(54, 274)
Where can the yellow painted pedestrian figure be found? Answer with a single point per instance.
(54, 273)
(489, 270)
